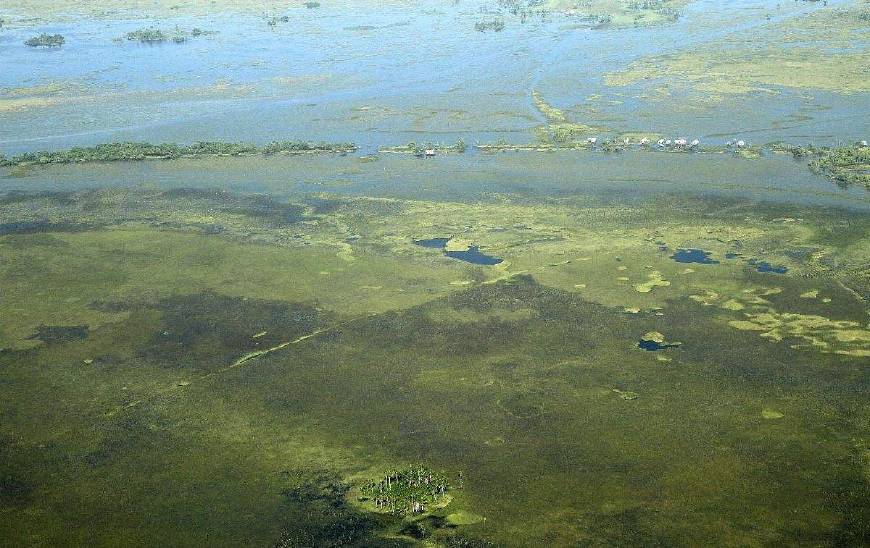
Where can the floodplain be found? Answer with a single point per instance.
(319, 282)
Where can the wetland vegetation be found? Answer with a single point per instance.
(153, 35)
(131, 152)
(612, 290)
(845, 165)
(45, 41)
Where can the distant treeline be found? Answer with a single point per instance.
(127, 152)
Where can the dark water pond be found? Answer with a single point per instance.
(764, 266)
(652, 346)
(435, 243)
(473, 255)
(693, 256)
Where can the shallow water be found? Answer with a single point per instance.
(257, 82)
(627, 176)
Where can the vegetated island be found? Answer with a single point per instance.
(45, 41)
(428, 149)
(153, 35)
(414, 490)
(846, 166)
(130, 152)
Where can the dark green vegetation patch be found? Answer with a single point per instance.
(129, 152)
(45, 41)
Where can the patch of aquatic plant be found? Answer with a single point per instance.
(274, 20)
(153, 35)
(131, 151)
(495, 25)
(45, 41)
(413, 490)
(311, 5)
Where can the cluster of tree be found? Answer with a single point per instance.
(845, 165)
(130, 151)
(407, 492)
(311, 5)
(798, 151)
(46, 41)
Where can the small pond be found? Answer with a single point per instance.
(693, 256)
